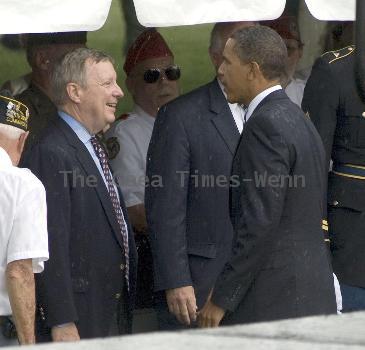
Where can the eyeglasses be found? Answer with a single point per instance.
(152, 75)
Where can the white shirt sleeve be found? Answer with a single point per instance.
(129, 165)
(29, 237)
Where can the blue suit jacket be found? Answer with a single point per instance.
(84, 276)
(191, 151)
(280, 266)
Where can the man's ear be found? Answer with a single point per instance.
(254, 71)
(21, 142)
(214, 57)
(74, 92)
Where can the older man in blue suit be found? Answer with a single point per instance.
(87, 288)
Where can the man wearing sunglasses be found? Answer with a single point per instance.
(191, 150)
(152, 80)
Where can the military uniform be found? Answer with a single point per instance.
(332, 101)
(41, 111)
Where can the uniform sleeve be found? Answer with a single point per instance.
(168, 168)
(129, 166)
(261, 155)
(29, 237)
(320, 101)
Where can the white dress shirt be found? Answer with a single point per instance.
(129, 165)
(23, 222)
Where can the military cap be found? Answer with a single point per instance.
(149, 44)
(13, 113)
(39, 39)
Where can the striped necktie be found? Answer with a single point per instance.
(115, 201)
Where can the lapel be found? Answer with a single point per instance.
(87, 163)
(222, 117)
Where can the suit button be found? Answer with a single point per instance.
(363, 114)
(122, 267)
(334, 203)
(117, 296)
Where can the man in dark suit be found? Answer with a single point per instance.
(280, 266)
(191, 151)
(87, 287)
(334, 103)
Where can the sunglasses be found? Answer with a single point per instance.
(152, 75)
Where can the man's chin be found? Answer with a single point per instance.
(231, 99)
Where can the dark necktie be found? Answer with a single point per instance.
(115, 201)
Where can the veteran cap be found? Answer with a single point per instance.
(149, 44)
(39, 39)
(13, 113)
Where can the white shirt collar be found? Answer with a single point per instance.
(256, 101)
(143, 114)
(5, 161)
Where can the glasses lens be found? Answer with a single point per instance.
(173, 73)
(151, 75)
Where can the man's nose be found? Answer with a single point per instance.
(118, 93)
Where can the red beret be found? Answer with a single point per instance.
(285, 26)
(149, 44)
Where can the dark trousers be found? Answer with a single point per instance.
(353, 298)
(7, 332)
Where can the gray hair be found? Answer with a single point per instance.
(264, 46)
(10, 132)
(71, 69)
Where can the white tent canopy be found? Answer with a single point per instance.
(25, 16)
(37, 16)
(163, 13)
(330, 10)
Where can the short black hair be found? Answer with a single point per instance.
(264, 46)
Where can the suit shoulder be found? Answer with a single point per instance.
(277, 114)
(193, 98)
(338, 55)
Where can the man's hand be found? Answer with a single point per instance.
(210, 315)
(182, 303)
(67, 332)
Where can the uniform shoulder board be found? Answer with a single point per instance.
(332, 56)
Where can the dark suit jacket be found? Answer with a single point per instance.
(84, 277)
(280, 266)
(191, 151)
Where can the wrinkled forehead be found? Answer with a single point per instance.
(160, 62)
